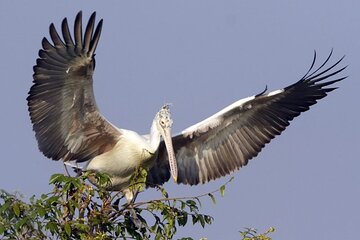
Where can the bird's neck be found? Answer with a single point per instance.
(154, 136)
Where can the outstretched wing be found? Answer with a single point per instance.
(227, 140)
(61, 102)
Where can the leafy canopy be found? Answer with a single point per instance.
(75, 209)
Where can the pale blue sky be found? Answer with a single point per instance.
(202, 56)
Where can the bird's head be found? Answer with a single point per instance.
(163, 124)
(163, 117)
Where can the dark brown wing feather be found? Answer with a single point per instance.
(61, 102)
(226, 141)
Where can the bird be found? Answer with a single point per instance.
(68, 125)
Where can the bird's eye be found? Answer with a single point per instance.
(162, 122)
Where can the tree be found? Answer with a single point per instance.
(75, 209)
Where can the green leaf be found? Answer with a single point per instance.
(208, 219)
(164, 193)
(2, 229)
(41, 211)
(4, 207)
(198, 201)
(52, 200)
(192, 205)
(52, 227)
(183, 205)
(182, 220)
(76, 182)
(43, 196)
(222, 190)
(212, 198)
(143, 173)
(202, 221)
(67, 228)
(195, 219)
(19, 224)
(55, 178)
(16, 209)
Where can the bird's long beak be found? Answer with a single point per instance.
(170, 150)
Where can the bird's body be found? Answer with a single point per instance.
(69, 127)
(131, 152)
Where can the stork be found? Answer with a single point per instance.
(69, 127)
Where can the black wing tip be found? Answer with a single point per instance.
(91, 38)
(64, 21)
(93, 15)
(95, 38)
(82, 44)
(52, 29)
(314, 77)
(92, 18)
(310, 75)
(45, 44)
(80, 12)
(78, 16)
(52, 26)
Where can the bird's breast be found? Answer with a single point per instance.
(130, 152)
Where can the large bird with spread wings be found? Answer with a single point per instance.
(69, 126)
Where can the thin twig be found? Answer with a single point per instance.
(181, 198)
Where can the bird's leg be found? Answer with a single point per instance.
(77, 169)
(130, 195)
(66, 170)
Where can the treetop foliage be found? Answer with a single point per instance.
(75, 209)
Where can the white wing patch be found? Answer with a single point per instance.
(275, 92)
(214, 120)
